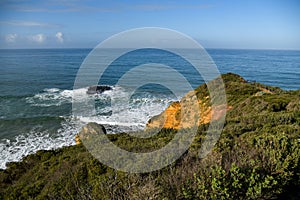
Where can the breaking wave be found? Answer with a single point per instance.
(53, 103)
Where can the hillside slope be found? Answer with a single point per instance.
(237, 90)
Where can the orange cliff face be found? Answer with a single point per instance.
(188, 112)
(195, 107)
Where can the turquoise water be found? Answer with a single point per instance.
(36, 92)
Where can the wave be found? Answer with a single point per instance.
(57, 97)
(114, 106)
(129, 112)
(50, 97)
(115, 109)
(13, 150)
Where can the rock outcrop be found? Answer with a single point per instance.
(188, 112)
(89, 129)
(98, 89)
(195, 107)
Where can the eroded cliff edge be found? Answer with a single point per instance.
(196, 104)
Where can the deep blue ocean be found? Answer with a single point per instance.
(36, 88)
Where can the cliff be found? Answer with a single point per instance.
(174, 117)
(201, 109)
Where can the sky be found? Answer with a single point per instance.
(233, 24)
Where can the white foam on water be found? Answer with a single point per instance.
(52, 90)
(13, 150)
(52, 97)
(57, 97)
(119, 108)
(132, 113)
(122, 116)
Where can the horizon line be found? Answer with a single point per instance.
(217, 48)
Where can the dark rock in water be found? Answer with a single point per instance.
(89, 129)
(98, 89)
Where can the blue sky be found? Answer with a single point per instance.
(256, 24)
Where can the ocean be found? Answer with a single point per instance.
(36, 88)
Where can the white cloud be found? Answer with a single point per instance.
(39, 38)
(29, 24)
(60, 37)
(11, 38)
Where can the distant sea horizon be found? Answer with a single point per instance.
(206, 48)
(36, 87)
